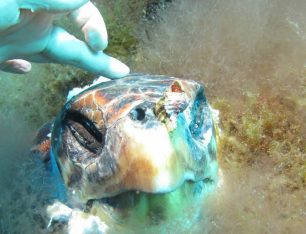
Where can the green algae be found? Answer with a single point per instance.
(265, 126)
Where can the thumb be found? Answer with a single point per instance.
(17, 66)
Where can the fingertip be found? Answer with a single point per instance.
(22, 66)
(96, 40)
(64, 48)
(117, 69)
(27, 68)
(17, 66)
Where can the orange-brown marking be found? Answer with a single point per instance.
(76, 105)
(176, 88)
(88, 100)
(113, 113)
(44, 146)
(138, 172)
(97, 117)
(116, 110)
(100, 99)
(85, 100)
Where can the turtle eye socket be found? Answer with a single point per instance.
(85, 131)
(138, 114)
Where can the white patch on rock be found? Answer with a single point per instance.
(80, 224)
(58, 212)
(78, 221)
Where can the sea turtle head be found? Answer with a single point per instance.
(140, 133)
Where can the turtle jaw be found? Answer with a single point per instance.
(152, 208)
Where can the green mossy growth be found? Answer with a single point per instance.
(265, 125)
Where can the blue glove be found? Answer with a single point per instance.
(27, 34)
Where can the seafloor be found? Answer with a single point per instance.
(251, 57)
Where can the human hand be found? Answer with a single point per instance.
(27, 34)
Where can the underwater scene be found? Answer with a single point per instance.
(239, 99)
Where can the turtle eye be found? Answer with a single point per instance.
(138, 114)
(85, 131)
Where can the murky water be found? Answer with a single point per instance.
(251, 56)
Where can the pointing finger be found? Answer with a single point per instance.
(65, 48)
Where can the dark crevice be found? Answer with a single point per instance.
(85, 131)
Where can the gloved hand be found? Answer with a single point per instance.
(27, 34)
